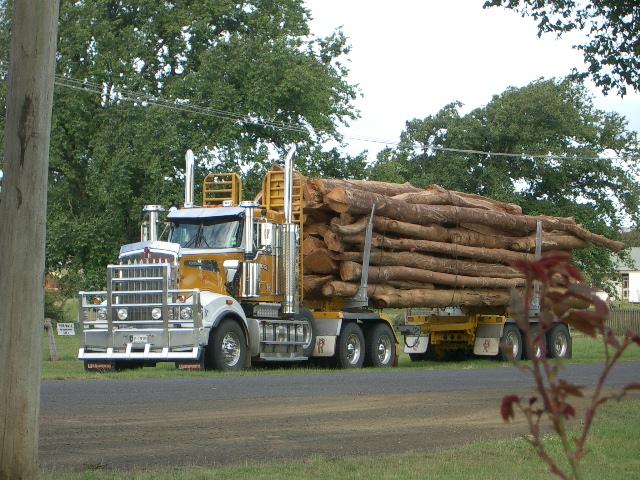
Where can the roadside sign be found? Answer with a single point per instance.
(66, 329)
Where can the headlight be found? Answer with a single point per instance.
(186, 313)
(122, 314)
(156, 313)
(102, 314)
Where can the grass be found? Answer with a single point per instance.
(614, 453)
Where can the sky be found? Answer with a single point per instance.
(410, 58)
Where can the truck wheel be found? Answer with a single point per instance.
(559, 342)
(350, 348)
(380, 346)
(539, 350)
(511, 339)
(309, 332)
(227, 347)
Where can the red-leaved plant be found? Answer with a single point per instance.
(563, 297)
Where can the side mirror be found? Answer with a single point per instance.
(266, 235)
(230, 269)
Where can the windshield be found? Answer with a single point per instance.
(215, 233)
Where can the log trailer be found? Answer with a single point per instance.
(483, 331)
(479, 331)
(226, 290)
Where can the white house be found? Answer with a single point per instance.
(629, 286)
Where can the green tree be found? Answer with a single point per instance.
(613, 35)
(563, 158)
(138, 83)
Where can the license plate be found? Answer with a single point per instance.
(139, 338)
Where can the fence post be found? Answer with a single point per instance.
(53, 350)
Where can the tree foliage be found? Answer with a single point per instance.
(237, 82)
(612, 47)
(563, 158)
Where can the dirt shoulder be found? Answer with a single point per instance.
(222, 433)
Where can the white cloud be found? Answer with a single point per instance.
(412, 57)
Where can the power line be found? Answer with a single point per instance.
(184, 105)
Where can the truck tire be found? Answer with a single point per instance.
(539, 351)
(559, 342)
(380, 346)
(511, 338)
(227, 349)
(350, 347)
(310, 340)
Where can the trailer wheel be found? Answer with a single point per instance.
(511, 339)
(559, 342)
(227, 347)
(380, 346)
(539, 349)
(350, 348)
(309, 332)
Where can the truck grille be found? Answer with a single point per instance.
(141, 315)
(139, 288)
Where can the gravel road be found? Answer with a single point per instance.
(234, 420)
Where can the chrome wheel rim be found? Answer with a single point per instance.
(561, 345)
(354, 349)
(512, 342)
(384, 349)
(231, 349)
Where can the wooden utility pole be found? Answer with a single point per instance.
(22, 231)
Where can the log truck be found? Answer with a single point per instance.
(226, 290)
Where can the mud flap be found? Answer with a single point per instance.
(416, 344)
(487, 340)
(325, 346)
(100, 366)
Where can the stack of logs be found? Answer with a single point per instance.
(430, 248)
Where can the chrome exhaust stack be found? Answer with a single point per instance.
(290, 243)
(151, 230)
(189, 179)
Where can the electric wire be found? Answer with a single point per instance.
(113, 93)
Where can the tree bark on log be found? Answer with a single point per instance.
(442, 298)
(498, 255)
(352, 271)
(312, 285)
(345, 289)
(437, 195)
(436, 264)
(360, 202)
(316, 188)
(403, 284)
